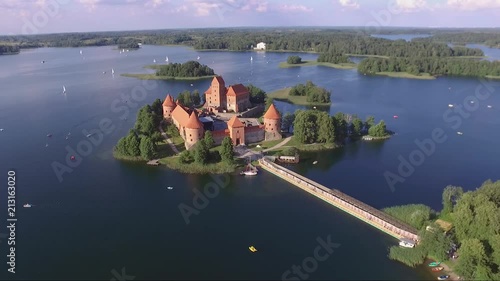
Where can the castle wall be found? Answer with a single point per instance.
(254, 134)
(219, 136)
(254, 112)
(273, 136)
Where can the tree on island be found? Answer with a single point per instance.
(294, 60)
(147, 148)
(378, 130)
(132, 144)
(189, 99)
(187, 69)
(209, 139)
(227, 150)
(312, 92)
(451, 195)
(312, 126)
(333, 57)
(287, 121)
(356, 127)
(257, 95)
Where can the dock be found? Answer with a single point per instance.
(155, 162)
(350, 205)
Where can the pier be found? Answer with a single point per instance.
(350, 205)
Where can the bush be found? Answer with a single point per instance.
(409, 256)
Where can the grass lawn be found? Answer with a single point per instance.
(154, 77)
(263, 145)
(284, 95)
(423, 76)
(310, 62)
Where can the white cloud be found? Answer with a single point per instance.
(295, 8)
(472, 5)
(411, 5)
(349, 4)
(90, 4)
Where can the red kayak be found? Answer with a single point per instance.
(437, 268)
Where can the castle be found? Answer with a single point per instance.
(193, 123)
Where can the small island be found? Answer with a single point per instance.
(308, 94)
(294, 61)
(191, 70)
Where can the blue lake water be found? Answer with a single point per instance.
(107, 215)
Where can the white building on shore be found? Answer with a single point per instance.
(261, 46)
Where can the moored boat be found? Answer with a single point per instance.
(250, 170)
(252, 249)
(434, 263)
(27, 205)
(436, 269)
(443, 277)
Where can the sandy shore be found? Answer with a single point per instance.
(446, 271)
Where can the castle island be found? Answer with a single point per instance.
(222, 115)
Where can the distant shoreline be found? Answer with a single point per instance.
(312, 63)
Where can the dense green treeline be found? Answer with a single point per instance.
(433, 66)
(339, 41)
(314, 126)
(187, 69)
(488, 38)
(474, 236)
(9, 49)
(333, 57)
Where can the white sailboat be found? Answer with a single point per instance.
(154, 61)
(81, 52)
(64, 90)
(251, 58)
(166, 59)
(198, 58)
(112, 71)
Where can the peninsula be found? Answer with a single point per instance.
(303, 94)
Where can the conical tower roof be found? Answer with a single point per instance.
(272, 113)
(169, 101)
(193, 122)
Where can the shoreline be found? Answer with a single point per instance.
(283, 95)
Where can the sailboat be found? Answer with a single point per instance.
(251, 58)
(154, 61)
(112, 71)
(81, 52)
(166, 59)
(64, 90)
(198, 58)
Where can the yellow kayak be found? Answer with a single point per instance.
(252, 248)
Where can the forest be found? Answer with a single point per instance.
(433, 66)
(474, 235)
(343, 41)
(187, 69)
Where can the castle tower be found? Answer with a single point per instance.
(236, 131)
(216, 94)
(168, 107)
(272, 123)
(193, 130)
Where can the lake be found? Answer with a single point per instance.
(104, 216)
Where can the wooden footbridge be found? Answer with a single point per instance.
(358, 209)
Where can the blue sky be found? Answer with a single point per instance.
(48, 16)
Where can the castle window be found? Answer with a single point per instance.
(191, 139)
(189, 134)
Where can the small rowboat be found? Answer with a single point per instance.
(443, 277)
(435, 263)
(252, 249)
(436, 269)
